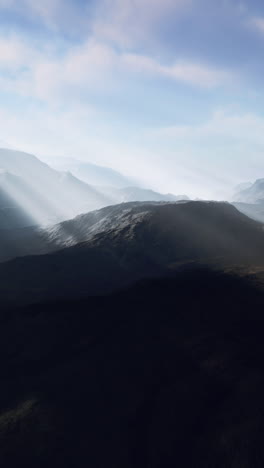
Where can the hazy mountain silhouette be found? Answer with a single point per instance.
(113, 184)
(254, 193)
(253, 210)
(48, 196)
(249, 199)
(90, 173)
(130, 194)
(240, 188)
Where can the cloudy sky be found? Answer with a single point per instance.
(169, 91)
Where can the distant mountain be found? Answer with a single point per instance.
(113, 184)
(253, 193)
(130, 194)
(124, 243)
(90, 173)
(250, 199)
(45, 195)
(243, 186)
(253, 210)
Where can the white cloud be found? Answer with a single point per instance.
(186, 72)
(14, 53)
(247, 128)
(217, 152)
(49, 76)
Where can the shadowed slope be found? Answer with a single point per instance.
(167, 373)
(134, 241)
(12, 215)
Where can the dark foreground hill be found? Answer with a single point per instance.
(119, 245)
(168, 373)
(128, 354)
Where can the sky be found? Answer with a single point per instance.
(167, 91)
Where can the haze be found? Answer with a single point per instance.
(169, 92)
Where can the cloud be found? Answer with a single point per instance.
(46, 10)
(217, 151)
(245, 128)
(122, 51)
(13, 54)
(51, 76)
(53, 14)
(201, 160)
(129, 22)
(186, 72)
(257, 23)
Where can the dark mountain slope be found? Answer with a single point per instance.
(12, 214)
(35, 240)
(196, 223)
(168, 373)
(135, 241)
(27, 198)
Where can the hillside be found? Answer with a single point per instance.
(167, 373)
(119, 245)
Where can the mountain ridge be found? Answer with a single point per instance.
(148, 240)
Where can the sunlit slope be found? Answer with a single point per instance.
(123, 244)
(45, 195)
(36, 240)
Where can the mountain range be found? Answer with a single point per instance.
(33, 193)
(131, 334)
(92, 174)
(46, 195)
